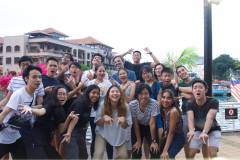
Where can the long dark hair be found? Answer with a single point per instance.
(86, 99)
(175, 104)
(121, 106)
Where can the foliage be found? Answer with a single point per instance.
(222, 66)
(84, 67)
(187, 58)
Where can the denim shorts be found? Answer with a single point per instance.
(213, 140)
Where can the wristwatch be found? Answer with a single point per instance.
(154, 141)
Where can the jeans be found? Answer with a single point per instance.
(100, 143)
(77, 148)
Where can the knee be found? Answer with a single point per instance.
(192, 153)
(212, 151)
(98, 154)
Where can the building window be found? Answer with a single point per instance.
(8, 60)
(8, 49)
(1, 60)
(88, 56)
(75, 53)
(16, 59)
(17, 49)
(1, 49)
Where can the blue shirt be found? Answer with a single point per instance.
(131, 76)
(48, 81)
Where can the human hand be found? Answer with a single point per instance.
(25, 109)
(90, 76)
(190, 135)
(66, 138)
(164, 155)
(107, 119)
(48, 89)
(203, 136)
(154, 147)
(137, 146)
(121, 120)
(147, 50)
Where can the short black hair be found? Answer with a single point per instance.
(28, 69)
(98, 54)
(71, 57)
(167, 70)
(24, 59)
(180, 67)
(117, 57)
(200, 81)
(52, 59)
(98, 66)
(75, 64)
(137, 52)
(140, 88)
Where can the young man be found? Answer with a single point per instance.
(49, 80)
(136, 65)
(202, 124)
(118, 62)
(89, 74)
(185, 90)
(18, 82)
(20, 105)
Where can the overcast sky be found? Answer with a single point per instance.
(162, 25)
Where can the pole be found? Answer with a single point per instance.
(208, 45)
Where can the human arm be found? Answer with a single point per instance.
(138, 144)
(153, 129)
(190, 117)
(125, 53)
(155, 59)
(4, 101)
(75, 90)
(5, 112)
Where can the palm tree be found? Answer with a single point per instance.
(187, 58)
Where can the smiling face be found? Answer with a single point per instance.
(100, 73)
(199, 91)
(147, 76)
(94, 95)
(136, 56)
(166, 100)
(118, 63)
(96, 60)
(62, 96)
(182, 73)
(158, 70)
(74, 70)
(114, 95)
(144, 97)
(122, 74)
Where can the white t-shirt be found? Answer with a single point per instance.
(9, 135)
(18, 82)
(85, 79)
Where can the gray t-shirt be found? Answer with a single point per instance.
(143, 118)
(19, 97)
(114, 134)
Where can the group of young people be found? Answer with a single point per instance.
(137, 107)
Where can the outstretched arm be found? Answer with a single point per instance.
(155, 59)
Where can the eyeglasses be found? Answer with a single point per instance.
(37, 76)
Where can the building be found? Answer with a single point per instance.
(41, 44)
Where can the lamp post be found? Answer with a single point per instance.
(208, 45)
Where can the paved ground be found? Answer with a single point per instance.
(229, 147)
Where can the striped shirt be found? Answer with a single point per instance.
(18, 82)
(143, 118)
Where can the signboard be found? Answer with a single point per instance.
(231, 113)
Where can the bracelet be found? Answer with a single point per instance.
(154, 141)
(150, 53)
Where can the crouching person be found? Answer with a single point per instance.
(112, 119)
(203, 127)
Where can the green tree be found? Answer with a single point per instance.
(84, 67)
(187, 58)
(222, 65)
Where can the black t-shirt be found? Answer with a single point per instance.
(46, 124)
(170, 87)
(136, 68)
(200, 113)
(81, 107)
(48, 81)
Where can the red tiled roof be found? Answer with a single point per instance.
(86, 40)
(1, 40)
(49, 31)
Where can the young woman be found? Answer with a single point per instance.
(104, 85)
(147, 75)
(173, 137)
(55, 119)
(158, 71)
(127, 87)
(144, 111)
(76, 148)
(112, 119)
